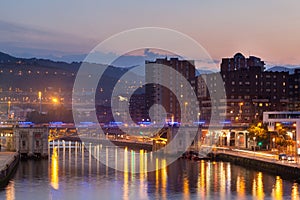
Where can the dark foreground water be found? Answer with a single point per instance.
(70, 174)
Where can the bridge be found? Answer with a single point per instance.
(31, 139)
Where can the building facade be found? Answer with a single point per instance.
(158, 94)
(250, 90)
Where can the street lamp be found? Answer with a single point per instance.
(254, 138)
(55, 100)
(8, 108)
(185, 112)
(296, 151)
(240, 111)
(40, 99)
(273, 140)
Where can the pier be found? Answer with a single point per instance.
(8, 164)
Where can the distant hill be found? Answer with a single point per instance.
(201, 71)
(4, 58)
(282, 69)
(26, 76)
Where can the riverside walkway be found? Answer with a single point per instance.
(8, 163)
(264, 161)
(261, 155)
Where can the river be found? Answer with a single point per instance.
(70, 173)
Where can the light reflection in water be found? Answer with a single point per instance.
(240, 187)
(295, 192)
(82, 159)
(106, 163)
(258, 187)
(143, 175)
(76, 159)
(64, 158)
(186, 188)
(201, 179)
(163, 178)
(125, 186)
(277, 190)
(208, 178)
(116, 161)
(70, 156)
(228, 178)
(97, 158)
(90, 159)
(10, 191)
(132, 164)
(54, 169)
(156, 178)
(222, 182)
(184, 179)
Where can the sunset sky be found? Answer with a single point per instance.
(269, 29)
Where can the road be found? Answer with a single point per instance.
(259, 155)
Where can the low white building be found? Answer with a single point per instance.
(31, 142)
(271, 118)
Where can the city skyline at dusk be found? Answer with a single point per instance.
(266, 29)
(149, 99)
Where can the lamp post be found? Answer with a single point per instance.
(40, 100)
(8, 108)
(185, 112)
(238, 142)
(296, 151)
(241, 111)
(254, 138)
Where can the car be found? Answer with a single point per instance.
(282, 156)
(290, 158)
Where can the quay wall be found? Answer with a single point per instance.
(8, 168)
(282, 169)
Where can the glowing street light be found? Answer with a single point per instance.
(40, 99)
(241, 111)
(55, 100)
(8, 108)
(185, 111)
(273, 142)
(254, 138)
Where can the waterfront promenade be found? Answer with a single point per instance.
(8, 163)
(6, 158)
(260, 156)
(262, 161)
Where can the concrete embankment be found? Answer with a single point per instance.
(8, 164)
(284, 169)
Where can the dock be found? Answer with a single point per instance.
(8, 164)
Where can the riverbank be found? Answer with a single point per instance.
(271, 165)
(8, 164)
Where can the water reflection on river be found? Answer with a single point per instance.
(75, 174)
